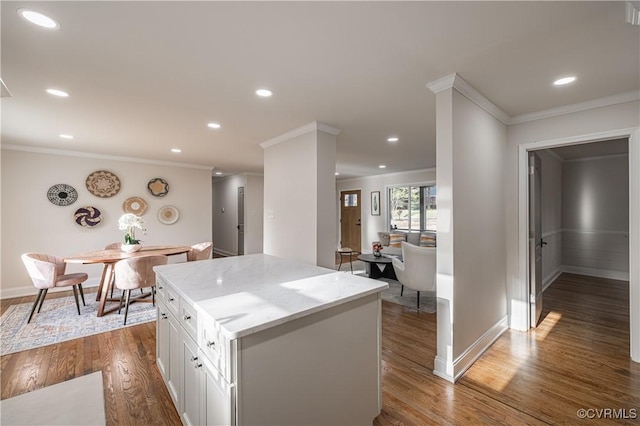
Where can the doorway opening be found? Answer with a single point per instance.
(240, 225)
(523, 313)
(351, 220)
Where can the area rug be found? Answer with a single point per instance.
(78, 401)
(59, 321)
(409, 298)
(392, 294)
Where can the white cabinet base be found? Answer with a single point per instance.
(323, 369)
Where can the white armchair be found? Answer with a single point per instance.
(417, 269)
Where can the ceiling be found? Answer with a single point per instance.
(145, 77)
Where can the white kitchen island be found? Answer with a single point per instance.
(260, 340)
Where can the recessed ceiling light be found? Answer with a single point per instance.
(39, 19)
(393, 139)
(218, 173)
(564, 80)
(382, 166)
(264, 93)
(214, 125)
(59, 93)
(65, 136)
(176, 150)
(337, 174)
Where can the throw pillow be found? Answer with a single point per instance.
(384, 238)
(428, 239)
(396, 239)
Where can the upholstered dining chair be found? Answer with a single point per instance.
(136, 272)
(417, 269)
(201, 251)
(47, 272)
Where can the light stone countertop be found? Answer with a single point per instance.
(247, 294)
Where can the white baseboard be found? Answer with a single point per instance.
(473, 352)
(593, 272)
(453, 371)
(30, 290)
(440, 369)
(549, 279)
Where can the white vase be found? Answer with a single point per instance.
(130, 248)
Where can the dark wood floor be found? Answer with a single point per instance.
(577, 358)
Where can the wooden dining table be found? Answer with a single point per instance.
(109, 258)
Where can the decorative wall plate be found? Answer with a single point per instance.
(168, 215)
(135, 205)
(103, 184)
(158, 187)
(62, 194)
(88, 216)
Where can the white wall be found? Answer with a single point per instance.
(299, 203)
(595, 216)
(551, 206)
(254, 214)
(225, 197)
(371, 225)
(479, 145)
(472, 303)
(326, 184)
(30, 223)
(611, 121)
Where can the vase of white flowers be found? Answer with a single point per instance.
(128, 222)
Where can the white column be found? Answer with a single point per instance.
(299, 194)
(471, 144)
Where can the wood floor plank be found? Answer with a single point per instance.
(578, 357)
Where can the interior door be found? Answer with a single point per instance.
(535, 238)
(240, 220)
(350, 219)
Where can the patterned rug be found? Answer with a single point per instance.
(392, 294)
(59, 321)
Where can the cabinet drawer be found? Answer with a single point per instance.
(212, 344)
(172, 301)
(189, 318)
(161, 290)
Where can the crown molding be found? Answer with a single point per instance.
(456, 82)
(443, 83)
(620, 98)
(51, 151)
(313, 126)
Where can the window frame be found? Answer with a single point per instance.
(423, 204)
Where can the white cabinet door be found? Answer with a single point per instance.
(175, 368)
(162, 340)
(191, 381)
(218, 397)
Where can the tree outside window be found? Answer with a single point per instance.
(412, 208)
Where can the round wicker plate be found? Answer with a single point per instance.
(88, 216)
(62, 194)
(158, 187)
(135, 205)
(168, 215)
(103, 184)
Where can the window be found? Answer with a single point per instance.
(351, 200)
(413, 208)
